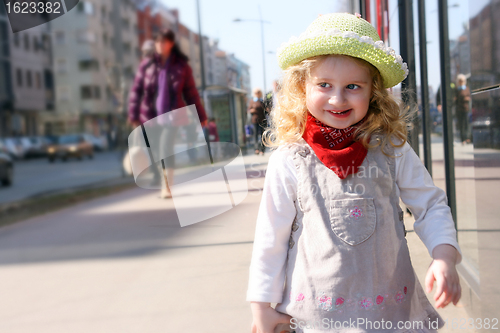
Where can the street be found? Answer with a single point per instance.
(35, 176)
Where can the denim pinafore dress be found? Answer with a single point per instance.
(348, 259)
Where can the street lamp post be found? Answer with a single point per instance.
(263, 46)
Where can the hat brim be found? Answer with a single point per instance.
(391, 70)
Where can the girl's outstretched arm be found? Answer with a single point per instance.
(433, 220)
(265, 318)
(443, 271)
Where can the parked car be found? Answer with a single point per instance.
(6, 166)
(27, 146)
(14, 147)
(35, 146)
(72, 145)
(100, 143)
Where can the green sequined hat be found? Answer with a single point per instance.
(347, 34)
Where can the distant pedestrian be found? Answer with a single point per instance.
(213, 136)
(256, 109)
(330, 241)
(462, 109)
(271, 96)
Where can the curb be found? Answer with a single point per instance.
(52, 200)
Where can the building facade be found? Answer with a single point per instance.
(96, 52)
(6, 94)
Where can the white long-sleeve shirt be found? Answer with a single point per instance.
(428, 203)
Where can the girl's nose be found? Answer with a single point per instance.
(337, 98)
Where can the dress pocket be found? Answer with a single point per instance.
(353, 220)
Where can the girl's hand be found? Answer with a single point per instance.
(442, 269)
(265, 318)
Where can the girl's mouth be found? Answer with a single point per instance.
(340, 113)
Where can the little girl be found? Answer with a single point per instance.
(330, 244)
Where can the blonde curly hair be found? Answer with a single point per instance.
(386, 115)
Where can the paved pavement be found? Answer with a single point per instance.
(123, 264)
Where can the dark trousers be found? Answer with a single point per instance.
(463, 126)
(258, 130)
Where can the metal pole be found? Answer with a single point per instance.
(424, 87)
(407, 43)
(362, 9)
(202, 63)
(444, 57)
(263, 52)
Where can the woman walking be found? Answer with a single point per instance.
(163, 84)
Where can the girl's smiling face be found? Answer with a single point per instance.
(338, 91)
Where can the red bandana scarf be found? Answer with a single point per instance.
(335, 147)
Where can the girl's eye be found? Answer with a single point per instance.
(324, 85)
(352, 86)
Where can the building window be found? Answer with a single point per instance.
(86, 92)
(84, 36)
(19, 77)
(97, 92)
(125, 23)
(89, 8)
(128, 72)
(88, 65)
(38, 80)
(105, 39)
(63, 93)
(16, 40)
(46, 42)
(35, 44)
(60, 38)
(126, 47)
(109, 93)
(85, 7)
(26, 42)
(61, 65)
(29, 82)
(90, 92)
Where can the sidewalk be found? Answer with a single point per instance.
(123, 264)
(421, 260)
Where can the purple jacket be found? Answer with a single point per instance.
(142, 100)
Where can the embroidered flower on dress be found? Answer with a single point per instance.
(325, 302)
(341, 303)
(399, 297)
(297, 297)
(365, 303)
(356, 212)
